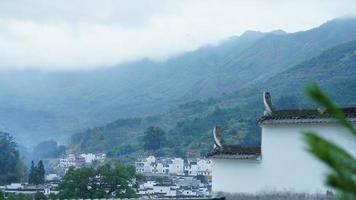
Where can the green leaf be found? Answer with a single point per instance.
(330, 153)
(317, 95)
(342, 164)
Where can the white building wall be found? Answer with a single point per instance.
(148, 168)
(151, 159)
(285, 163)
(89, 158)
(171, 193)
(160, 168)
(189, 193)
(232, 176)
(204, 167)
(148, 184)
(161, 189)
(177, 166)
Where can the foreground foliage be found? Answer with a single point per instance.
(104, 182)
(342, 175)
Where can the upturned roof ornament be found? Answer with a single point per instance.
(267, 100)
(218, 140)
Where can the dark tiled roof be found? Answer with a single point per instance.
(235, 152)
(304, 116)
(276, 116)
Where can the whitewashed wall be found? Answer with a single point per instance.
(235, 175)
(285, 164)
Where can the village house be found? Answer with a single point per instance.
(204, 167)
(89, 157)
(282, 162)
(165, 190)
(72, 160)
(19, 188)
(151, 188)
(52, 177)
(174, 166)
(177, 186)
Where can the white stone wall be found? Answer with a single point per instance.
(285, 163)
(235, 175)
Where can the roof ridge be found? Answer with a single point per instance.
(299, 115)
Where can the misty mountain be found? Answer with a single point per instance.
(53, 104)
(189, 125)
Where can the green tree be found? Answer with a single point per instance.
(40, 173)
(39, 196)
(12, 196)
(22, 197)
(32, 174)
(2, 197)
(76, 183)
(104, 182)
(48, 149)
(11, 166)
(118, 180)
(342, 175)
(37, 173)
(121, 150)
(154, 138)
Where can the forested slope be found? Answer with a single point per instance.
(188, 126)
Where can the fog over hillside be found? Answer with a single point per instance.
(178, 99)
(72, 35)
(65, 68)
(190, 123)
(48, 103)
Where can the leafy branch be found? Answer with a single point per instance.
(342, 175)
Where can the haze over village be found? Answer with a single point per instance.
(185, 99)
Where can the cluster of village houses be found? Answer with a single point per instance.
(182, 177)
(80, 160)
(174, 166)
(180, 174)
(180, 186)
(52, 181)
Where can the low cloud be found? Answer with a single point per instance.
(88, 34)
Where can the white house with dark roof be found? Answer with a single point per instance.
(282, 162)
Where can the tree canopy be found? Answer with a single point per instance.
(48, 149)
(104, 182)
(154, 138)
(11, 166)
(37, 173)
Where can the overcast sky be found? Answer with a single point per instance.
(73, 34)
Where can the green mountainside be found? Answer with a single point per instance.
(54, 104)
(188, 126)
